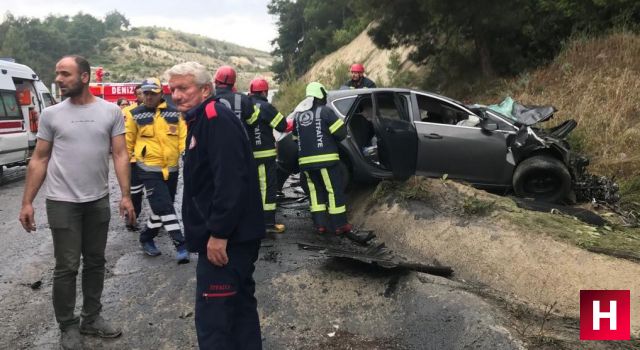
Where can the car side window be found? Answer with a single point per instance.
(502, 124)
(392, 106)
(343, 105)
(432, 110)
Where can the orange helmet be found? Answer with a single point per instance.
(225, 75)
(357, 67)
(258, 85)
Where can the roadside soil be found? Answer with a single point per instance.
(502, 252)
(305, 300)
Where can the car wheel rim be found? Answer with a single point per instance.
(541, 185)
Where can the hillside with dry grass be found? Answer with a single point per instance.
(597, 83)
(361, 50)
(149, 51)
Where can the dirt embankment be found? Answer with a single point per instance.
(488, 240)
(361, 50)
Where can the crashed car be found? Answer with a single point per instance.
(395, 133)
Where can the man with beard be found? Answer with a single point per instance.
(358, 80)
(225, 92)
(221, 212)
(72, 152)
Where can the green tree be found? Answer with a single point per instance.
(308, 30)
(86, 32)
(462, 40)
(115, 21)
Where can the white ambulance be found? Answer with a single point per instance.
(22, 98)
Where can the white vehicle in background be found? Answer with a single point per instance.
(22, 98)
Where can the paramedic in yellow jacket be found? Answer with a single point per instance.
(156, 134)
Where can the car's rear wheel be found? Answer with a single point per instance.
(542, 178)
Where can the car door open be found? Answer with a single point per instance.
(397, 146)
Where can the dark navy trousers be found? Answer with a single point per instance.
(226, 308)
(161, 194)
(136, 190)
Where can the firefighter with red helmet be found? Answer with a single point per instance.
(358, 80)
(319, 131)
(260, 126)
(226, 93)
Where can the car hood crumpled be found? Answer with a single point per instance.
(521, 114)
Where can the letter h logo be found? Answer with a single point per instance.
(605, 315)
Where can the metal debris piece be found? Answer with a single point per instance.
(185, 314)
(376, 254)
(589, 188)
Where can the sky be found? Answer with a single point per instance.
(243, 22)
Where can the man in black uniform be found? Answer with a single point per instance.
(226, 93)
(320, 130)
(358, 80)
(221, 211)
(260, 127)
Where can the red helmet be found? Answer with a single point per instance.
(357, 67)
(225, 75)
(258, 85)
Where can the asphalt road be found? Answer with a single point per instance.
(306, 301)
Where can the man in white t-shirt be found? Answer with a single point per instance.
(72, 153)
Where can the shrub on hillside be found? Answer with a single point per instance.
(289, 94)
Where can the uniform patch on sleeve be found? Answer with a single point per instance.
(192, 143)
(210, 110)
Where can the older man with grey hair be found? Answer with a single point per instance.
(221, 212)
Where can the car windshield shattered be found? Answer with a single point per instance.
(521, 114)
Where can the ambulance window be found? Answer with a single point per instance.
(48, 99)
(8, 105)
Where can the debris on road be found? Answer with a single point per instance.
(583, 215)
(376, 254)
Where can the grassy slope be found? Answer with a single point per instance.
(149, 51)
(595, 81)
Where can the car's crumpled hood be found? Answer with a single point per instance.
(521, 114)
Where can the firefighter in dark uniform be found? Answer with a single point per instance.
(358, 80)
(319, 131)
(226, 93)
(222, 213)
(156, 134)
(260, 126)
(136, 185)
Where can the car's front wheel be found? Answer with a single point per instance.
(542, 178)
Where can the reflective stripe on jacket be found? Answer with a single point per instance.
(319, 131)
(260, 126)
(156, 137)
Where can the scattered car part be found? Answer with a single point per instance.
(584, 215)
(377, 254)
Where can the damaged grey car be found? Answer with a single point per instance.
(395, 133)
